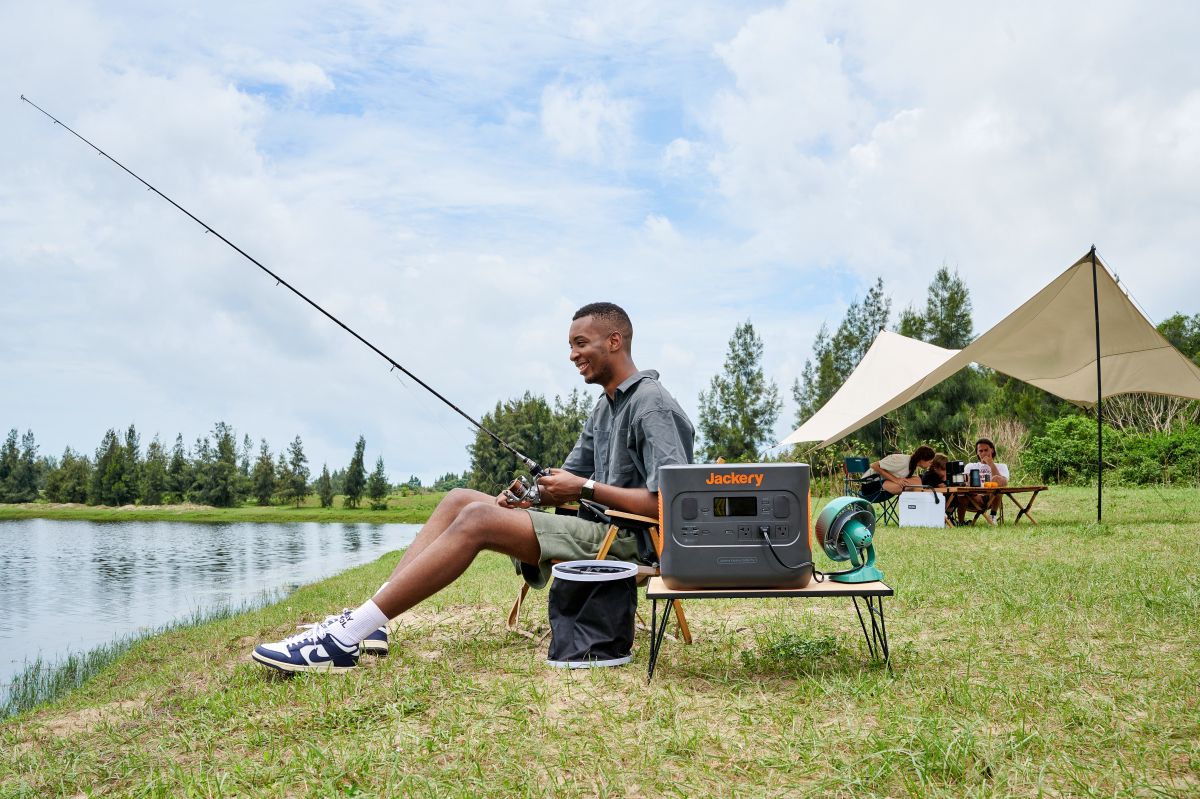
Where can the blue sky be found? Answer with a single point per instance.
(455, 180)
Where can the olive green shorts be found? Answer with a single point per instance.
(572, 538)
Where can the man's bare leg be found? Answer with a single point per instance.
(442, 517)
(477, 526)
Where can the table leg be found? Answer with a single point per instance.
(877, 642)
(658, 631)
(1024, 511)
(951, 510)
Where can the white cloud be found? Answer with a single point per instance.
(680, 156)
(299, 78)
(584, 121)
(891, 139)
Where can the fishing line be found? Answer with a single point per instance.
(535, 469)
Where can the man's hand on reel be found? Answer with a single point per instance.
(559, 487)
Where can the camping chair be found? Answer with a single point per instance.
(630, 521)
(853, 468)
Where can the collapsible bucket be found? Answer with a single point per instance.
(593, 604)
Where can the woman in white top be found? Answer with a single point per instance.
(888, 476)
(989, 472)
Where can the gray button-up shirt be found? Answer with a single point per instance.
(627, 438)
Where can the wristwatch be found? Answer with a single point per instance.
(588, 490)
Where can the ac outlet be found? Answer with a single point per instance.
(745, 532)
(780, 531)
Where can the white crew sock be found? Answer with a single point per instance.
(361, 623)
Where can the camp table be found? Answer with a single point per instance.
(871, 593)
(956, 494)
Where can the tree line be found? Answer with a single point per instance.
(216, 470)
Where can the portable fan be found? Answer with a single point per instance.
(846, 527)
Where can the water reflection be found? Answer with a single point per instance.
(72, 586)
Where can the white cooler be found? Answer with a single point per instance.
(922, 509)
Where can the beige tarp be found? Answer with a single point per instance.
(1049, 342)
(887, 369)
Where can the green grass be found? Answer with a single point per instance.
(1061, 659)
(413, 509)
(45, 680)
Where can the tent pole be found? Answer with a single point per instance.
(1099, 396)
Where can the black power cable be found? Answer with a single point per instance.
(818, 575)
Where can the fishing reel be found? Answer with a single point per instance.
(524, 489)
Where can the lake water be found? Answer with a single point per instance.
(73, 586)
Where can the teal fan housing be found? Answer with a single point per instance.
(846, 529)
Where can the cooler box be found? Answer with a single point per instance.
(922, 509)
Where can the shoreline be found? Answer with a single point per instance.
(402, 510)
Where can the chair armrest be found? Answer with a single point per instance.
(624, 519)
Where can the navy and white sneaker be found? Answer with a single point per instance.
(376, 643)
(314, 649)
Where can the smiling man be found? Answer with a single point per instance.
(634, 430)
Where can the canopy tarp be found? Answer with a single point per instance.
(886, 370)
(1049, 342)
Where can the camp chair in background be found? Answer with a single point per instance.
(645, 526)
(853, 468)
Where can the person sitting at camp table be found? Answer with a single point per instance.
(888, 476)
(634, 430)
(935, 475)
(989, 472)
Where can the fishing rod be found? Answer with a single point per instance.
(520, 490)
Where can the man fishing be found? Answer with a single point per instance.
(634, 430)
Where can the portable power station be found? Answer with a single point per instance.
(735, 525)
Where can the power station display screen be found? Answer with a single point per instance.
(735, 506)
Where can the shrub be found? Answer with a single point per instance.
(1065, 453)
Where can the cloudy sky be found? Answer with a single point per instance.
(454, 179)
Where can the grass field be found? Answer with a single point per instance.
(413, 509)
(1058, 660)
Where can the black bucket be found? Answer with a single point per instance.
(593, 605)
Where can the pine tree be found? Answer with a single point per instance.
(530, 425)
(154, 474)
(10, 459)
(942, 415)
(377, 486)
(133, 461)
(356, 477)
(283, 477)
(25, 478)
(224, 477)
(245, 482)
(179, 473)
(338, 479)
(836, 356)
(110, 479)
(204, 460)
(68, 481)
(738, 412)
(297, 484)
(263, 477)
(325, 488)
(19, 468)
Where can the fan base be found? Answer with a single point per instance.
(863, 574)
